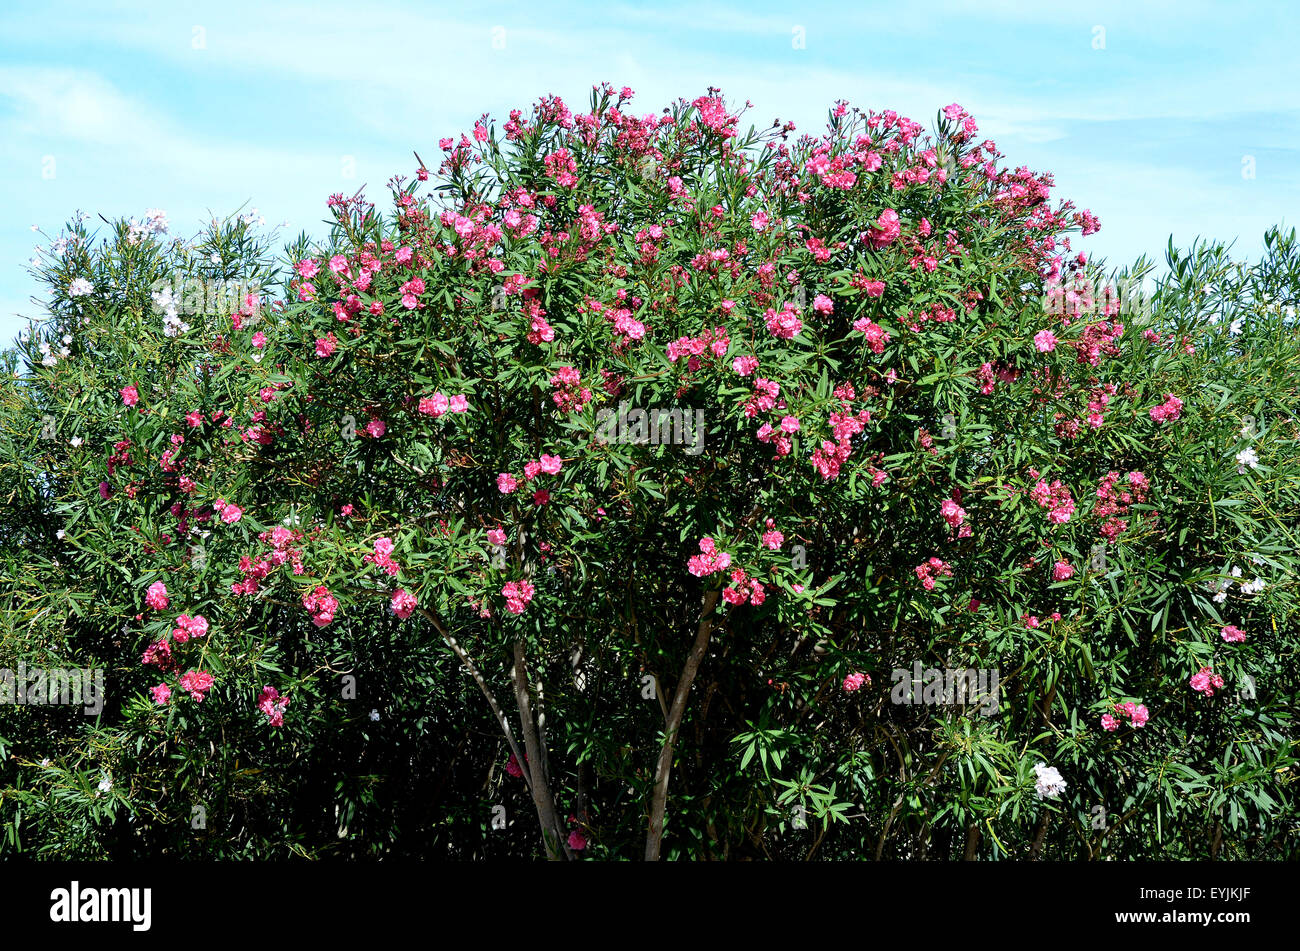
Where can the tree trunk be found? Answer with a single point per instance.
(663, 769)
(557, 847)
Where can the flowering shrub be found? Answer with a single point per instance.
(285, 523)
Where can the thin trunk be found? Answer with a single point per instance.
(557, 848)
(663, 769)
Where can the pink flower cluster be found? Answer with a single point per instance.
(229, 513)
(517, 594)
(1113, 502)
(1233, 634)
(1055, 497)
(187, 627)
(876, 335)
(743, 588)
(930, 570)
(1137, 715)
(403, 603)
(1167, 411)
(1206, 681)
(321, 605)
(831, 456)
(886, 230)
(786, 324)
(197, 683)
(709, 560)
(440, 403)
(382, 557)
(130, 395)
(156, 596)
(712, 343)
(856, 681)
(570, 395)
(271, 702)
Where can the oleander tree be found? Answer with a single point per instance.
(633, 488)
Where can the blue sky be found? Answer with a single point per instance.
(1145, 112)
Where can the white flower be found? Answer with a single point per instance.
(1252, 587)
(80, 287)
(105, 784)
(67, 338)
(374, 714)
(60, 246)
(75, 442)
(50, 360)
(64, 352)
(215, 258)
(1235, 572)
(1049, 784)
(60, 534)
(1220, 597)
(1256, 559)
(1234, 328)
(257, 357)
(44, 347)
(46, 761)
(1246, 458)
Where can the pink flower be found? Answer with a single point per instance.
(403, 603)
(1045, 341)
(161, 694)
(272, 703)
(823, 304)
(1167, 411)
(1109, 723)
(376, 428)
(887, 229)
(325, 345)
(104, 490)
(550, 464)
(517, 594)
(1233, 634)
(506, 483)
(496, 536)
(744, 365)
(952, 513)
(1062, 570)
(709, 560)
(194, 419)
(759, 221)
(307, 269)
(156, 596)
(187, 627)
(1206, 681)
(231, 514)
(773, 539)
(196, 683)
(259, 340)
(513, 767)
(1140, 715)
(130, 395)
(854, 681)
(577, 841)
(321, 605)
